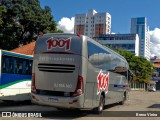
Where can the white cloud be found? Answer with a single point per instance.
(113, 33)
(155, 42)
(66, 25)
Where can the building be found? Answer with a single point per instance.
(129, 42)
(92, 24)
(156, 64)
(156, 75)
(139, 26)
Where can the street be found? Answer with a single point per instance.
(139, 102)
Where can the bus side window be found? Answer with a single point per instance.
(93, 54)
(3, 65)
(30, 67)
(15, 69)
(104, 59)
(24, 67)
(7, 65)
(27, 67)
(17, 66)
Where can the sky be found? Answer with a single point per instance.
(121, 12)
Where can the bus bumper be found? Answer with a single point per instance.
(58, 102)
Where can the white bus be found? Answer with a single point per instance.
(15, 76)
(74, 71)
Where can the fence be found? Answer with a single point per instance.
(138, 86)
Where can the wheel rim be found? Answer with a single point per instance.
(101, 104)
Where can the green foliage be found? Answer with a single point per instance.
(22, 20)
(141, 67)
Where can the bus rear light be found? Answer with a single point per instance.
(79, 35)
(126, 86)
(33, 97)
(80, 87)
(40, 35)
(74, 101)
(1, 94)
(33, 87)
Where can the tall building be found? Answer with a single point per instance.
(129, 42)
(139, 26)
(92, 24)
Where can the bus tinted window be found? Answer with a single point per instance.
(99, 57)
(16, 65)
(93, 54)
(104, 60)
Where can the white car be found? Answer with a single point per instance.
(152, 88)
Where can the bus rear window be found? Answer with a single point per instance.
(59, 45)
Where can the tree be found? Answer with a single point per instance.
(22, 20)
(139, 65)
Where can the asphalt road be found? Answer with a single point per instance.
(140, 103)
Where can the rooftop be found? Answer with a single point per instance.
(156, 60)
(25, 49)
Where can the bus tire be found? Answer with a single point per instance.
(100, 108)
(124, 99)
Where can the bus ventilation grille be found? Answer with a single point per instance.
(59, 68)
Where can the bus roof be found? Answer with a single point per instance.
(5, 52)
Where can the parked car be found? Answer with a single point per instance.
(152, 88)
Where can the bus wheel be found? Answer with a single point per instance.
(124, 99)
(100, 108)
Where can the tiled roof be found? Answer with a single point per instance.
(156, 60)
(25, 49)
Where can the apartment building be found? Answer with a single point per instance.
(92, 24)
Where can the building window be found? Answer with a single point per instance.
(140, 21)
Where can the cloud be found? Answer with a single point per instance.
(155, 42)
(66, 25)
(113, 33)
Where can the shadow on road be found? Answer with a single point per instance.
(70, 113)
(13, 103)
(154, 106)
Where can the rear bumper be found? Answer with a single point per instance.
(58, 102)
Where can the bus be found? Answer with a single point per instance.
(76, 72)
(15, 76)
